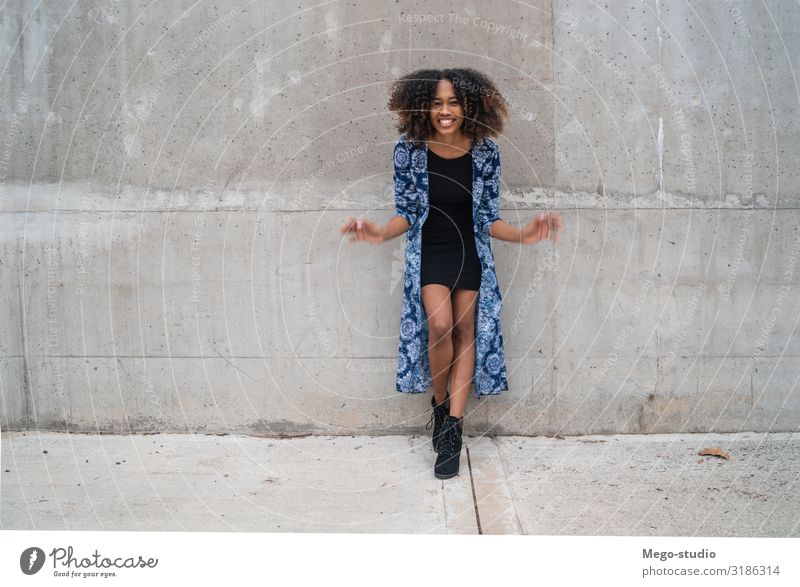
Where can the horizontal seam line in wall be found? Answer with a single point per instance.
(392, 357)
(192, 357)
(183, 210)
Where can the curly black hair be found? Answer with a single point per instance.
(411, 97)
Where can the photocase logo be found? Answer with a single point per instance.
(31, 560)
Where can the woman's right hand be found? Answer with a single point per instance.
(363, 230)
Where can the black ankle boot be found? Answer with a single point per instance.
(437, 419)
(449, 458)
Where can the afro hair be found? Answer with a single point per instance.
(484, 107)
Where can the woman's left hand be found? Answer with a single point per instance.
(545, 225)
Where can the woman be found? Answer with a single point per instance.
(446, 184)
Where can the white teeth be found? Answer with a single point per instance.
(446, 122)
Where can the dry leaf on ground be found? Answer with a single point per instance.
(715, 452)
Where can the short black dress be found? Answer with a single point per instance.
(449, 254)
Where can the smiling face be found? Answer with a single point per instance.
(446, 113)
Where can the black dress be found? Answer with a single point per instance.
(449, 254)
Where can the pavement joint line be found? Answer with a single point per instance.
(474, 500)
(27, 407)
(496, 445)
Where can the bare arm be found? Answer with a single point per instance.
(395, 227)
(502, 230)
(362, 229)
(541, 227)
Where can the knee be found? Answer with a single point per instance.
(464, 331)
(439, 328)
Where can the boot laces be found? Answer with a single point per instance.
(433, 412)
(449, 437)
(430, 422)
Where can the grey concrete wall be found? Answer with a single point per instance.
(174, 176)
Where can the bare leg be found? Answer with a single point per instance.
(436, 299)
(464, 301)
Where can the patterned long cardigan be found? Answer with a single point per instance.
(411, 201)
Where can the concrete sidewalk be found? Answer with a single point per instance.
(591, 485)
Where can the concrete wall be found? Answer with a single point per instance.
(174, 176)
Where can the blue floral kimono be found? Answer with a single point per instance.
(411, 202)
